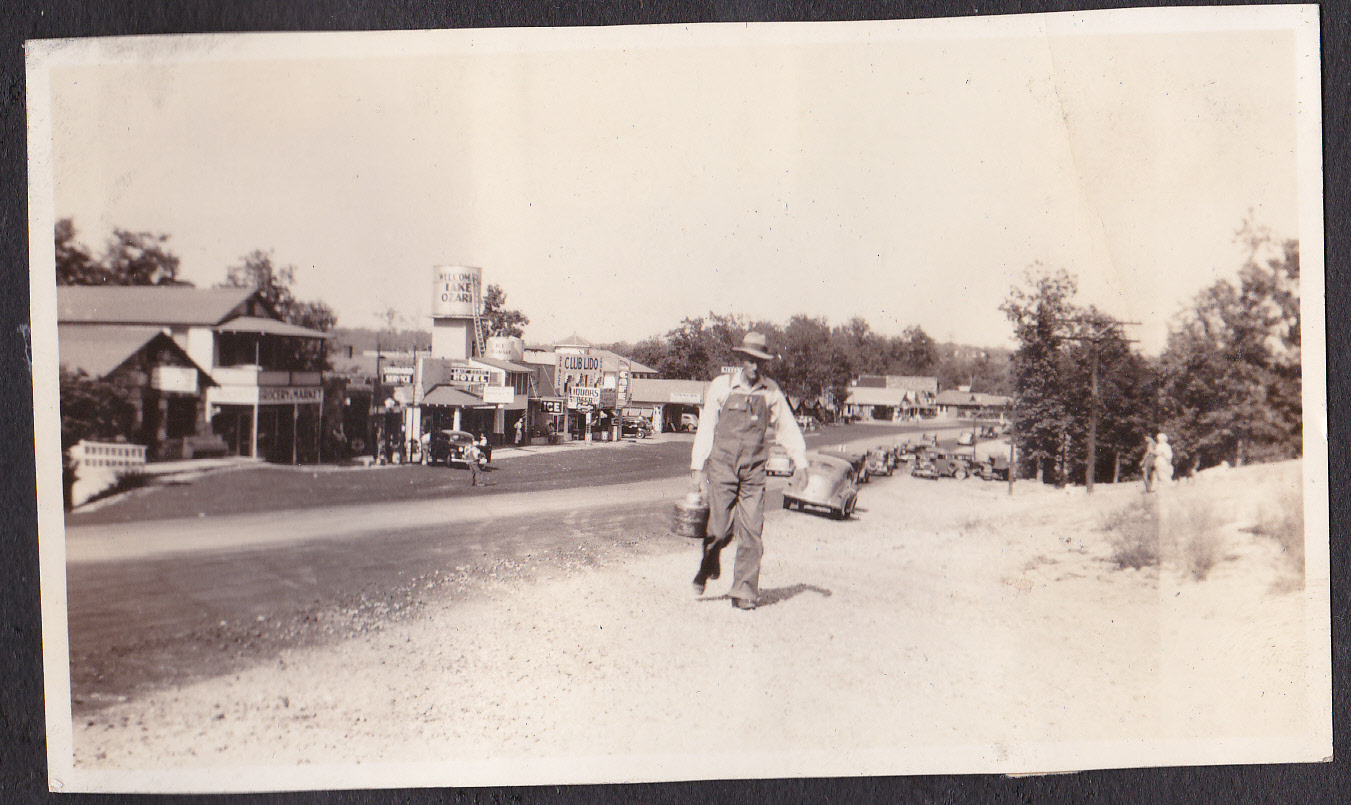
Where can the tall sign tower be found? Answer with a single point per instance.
(457, 312)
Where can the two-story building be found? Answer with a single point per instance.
(254, 398)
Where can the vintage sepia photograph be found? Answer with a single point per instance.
(548, 406)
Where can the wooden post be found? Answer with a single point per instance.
(1092, 416)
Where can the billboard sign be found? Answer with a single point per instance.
(581, 370)
(455, 291)
(498, 394)
(579, 396)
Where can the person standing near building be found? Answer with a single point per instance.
(731, 446)
(520, 430)
(472, 457)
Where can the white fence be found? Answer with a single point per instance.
(98, 465)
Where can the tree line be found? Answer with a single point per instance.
(1226, 387)
(814, 360)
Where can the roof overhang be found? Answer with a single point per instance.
(261, 326)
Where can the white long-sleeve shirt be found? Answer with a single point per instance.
(781, 420)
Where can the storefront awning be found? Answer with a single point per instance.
(451, 397)
(255, 324)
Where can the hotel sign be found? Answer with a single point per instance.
(467, 374)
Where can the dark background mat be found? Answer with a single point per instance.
(23, 773)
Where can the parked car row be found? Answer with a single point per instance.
(935, 464)
(833, 475)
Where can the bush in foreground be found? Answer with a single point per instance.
(1133, 533)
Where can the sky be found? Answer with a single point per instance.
(615, 181)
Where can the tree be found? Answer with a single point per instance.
(687, 351)
(912, 353)
(649, 352)
(864, 351)
(140, 258)
(92, 408)
(1044, 419)
(808, 364)
(257, 271)
(1230, 373)
(130, 258)
(500, 320)
(74, 264)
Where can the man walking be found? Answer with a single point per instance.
(731, 447)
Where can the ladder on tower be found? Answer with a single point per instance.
(478, 318)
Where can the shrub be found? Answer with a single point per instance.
(1133, 533)
(125, 483)
(1283, 521)
(1196, 532)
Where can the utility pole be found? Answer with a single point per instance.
(1098, 329)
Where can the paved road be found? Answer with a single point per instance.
(163, 601)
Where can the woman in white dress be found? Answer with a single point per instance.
(1163, 461)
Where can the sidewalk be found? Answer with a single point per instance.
(541, 446)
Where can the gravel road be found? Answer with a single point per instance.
(947, 627)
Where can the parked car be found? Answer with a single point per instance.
(893, 454)
(994, 468)
(828, 483)
(449, 447)
(779, 464)
(689, 423)
(637, 427)
(879, 462)
(966, 438)
(858, 459)
(935, 465)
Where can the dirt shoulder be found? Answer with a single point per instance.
(946, 614)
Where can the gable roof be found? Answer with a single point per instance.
(451, 396)
(99, 351)
(152, 305)
(573, 340)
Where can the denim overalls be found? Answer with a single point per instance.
(736, 488)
